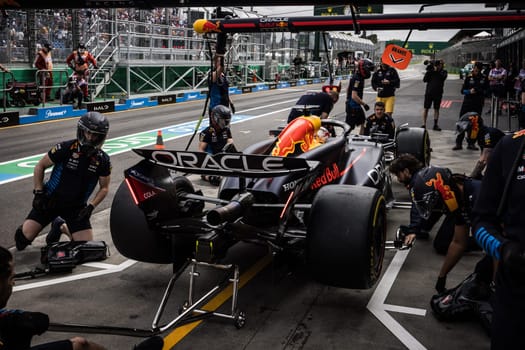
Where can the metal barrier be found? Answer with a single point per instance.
(41, 75)
(496, 104)
(4, 89)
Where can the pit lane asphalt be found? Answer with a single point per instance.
(284, 308)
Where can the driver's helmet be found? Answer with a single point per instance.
(81, 48)
(221, 116)
(433, 189)
(96, 124)
(470, 123)
(322, 134)
(365, 67)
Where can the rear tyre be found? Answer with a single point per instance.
(346, 236)
(136, 239)
(415, 141)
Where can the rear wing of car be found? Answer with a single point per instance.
(228, 164)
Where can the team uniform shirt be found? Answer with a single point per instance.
(385, 90)
(215, 140)
(385, 125)
(487, 226)
(219, 92)
(354, 113)
(75, 175)
(319, 101)
(473, 101)
(357, 83)
(488, 137)
(18, 327)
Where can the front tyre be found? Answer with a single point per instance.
(346, 236)
(416, 142)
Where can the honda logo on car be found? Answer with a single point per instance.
(223, 161)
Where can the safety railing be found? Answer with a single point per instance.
(4, 89)
(40, 78)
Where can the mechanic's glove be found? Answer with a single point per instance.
(513, 258)
(366, 107)
(40, 201)
(440, 284)
(86, 212)
(232, 107)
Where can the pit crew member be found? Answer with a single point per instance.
(78, 165)
(354, 104)
(499, 227)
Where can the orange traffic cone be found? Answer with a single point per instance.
(160, 142)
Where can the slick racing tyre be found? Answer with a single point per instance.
(136, 239)
(414, 141)
(346, 235)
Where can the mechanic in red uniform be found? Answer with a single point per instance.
(79, 61)
(78, 166)
(354, 98)
(499, 227)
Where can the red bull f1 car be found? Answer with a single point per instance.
(329, 199)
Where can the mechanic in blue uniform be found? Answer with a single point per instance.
(218, 82)
(17, 327)
(321, 104)
(487, 137)
(379, 122)
(437, 189)
(217, 137)
(404, 167)
(354, 103)
(78, 166)
(499, 227)
(474, 89)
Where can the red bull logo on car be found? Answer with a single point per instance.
(298, 137)
(448, 196)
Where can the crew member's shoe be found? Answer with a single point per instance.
(55, 232)
(21, 241)
(436, 127)
(457, 147)
(473, 147)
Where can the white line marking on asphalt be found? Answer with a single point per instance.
(379, 309)
(106, 271)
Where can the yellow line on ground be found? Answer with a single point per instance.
(180, 332)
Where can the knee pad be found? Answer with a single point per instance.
(20, 239)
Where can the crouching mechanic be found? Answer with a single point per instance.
(78, 165)
(499, 227)
(487, 137)
(217, 137)
(17, 327)
(437, 189)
